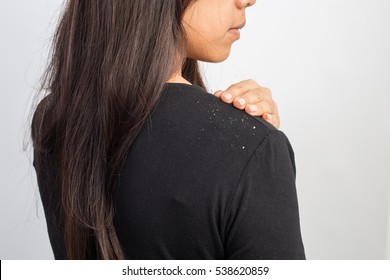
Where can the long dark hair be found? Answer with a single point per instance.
(109, 64)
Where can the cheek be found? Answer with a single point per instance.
(209, 44)
(208, 49)
(208, 38)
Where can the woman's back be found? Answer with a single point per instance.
(202, 180)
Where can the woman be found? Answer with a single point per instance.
(135, 160)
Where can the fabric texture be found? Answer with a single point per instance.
(203, 180)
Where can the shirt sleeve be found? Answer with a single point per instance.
(263, 219)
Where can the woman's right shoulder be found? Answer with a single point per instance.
(195, 116)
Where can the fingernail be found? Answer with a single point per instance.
(228, 96)
(252, 108)
(241, 101)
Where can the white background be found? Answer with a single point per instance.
(327, 63)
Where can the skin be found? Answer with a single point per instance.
(211, 27)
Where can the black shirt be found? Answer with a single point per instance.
(203, 180)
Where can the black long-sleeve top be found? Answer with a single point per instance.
(203, 180)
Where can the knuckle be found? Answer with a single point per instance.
(234, 90)
(250, 82)
(267, 91)
(260, 94)
(253, 82)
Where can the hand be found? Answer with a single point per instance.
(254, 99)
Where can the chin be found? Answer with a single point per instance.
(214, 57)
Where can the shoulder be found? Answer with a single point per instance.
(201, 114)
(194, 134)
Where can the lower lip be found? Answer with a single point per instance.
(235, 33)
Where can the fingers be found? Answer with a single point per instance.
(254, 99)
(267, 111)
(272, 119)
(218, 93)
(232, 93)
(261, 107)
